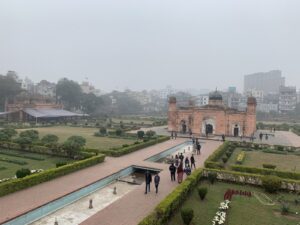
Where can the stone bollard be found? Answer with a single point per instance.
(91, 204)
(55, 222)
(115, 190)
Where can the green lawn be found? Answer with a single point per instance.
(11, 168)
(243, 210)
(63, 132)
(258, 158)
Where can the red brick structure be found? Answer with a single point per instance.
(212, 119)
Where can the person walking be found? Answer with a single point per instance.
(176, 160)
(156, 182)
(180, 173)
(172, 169)
(193, 162)
(198, 149)
(187, 162)
(148, 180)
(181, 157)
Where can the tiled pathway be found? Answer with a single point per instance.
(129, 210)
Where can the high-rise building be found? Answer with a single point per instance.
(287, 99)
(268, 82)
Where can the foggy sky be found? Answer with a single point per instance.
(148, 44)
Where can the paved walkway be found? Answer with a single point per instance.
(129, 210)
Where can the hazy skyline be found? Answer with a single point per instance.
(140, 44)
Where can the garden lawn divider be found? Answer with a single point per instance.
(31, 180)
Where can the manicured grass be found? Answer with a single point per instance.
(243, 210)
(258, 158)
(11, 168)
(63, 132)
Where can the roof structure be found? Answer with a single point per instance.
(50, 113)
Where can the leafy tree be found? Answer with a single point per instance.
(33, 135)
(140, 134)
(150, 133)
(90, 103)
(103, 131)
(74, 144)
(6, 134)
(119, 132)
(69, 92)
(49, 139)
(9, 88)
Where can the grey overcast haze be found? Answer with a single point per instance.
(149, 44)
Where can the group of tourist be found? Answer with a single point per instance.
(181, 165)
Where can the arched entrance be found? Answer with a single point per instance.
(236, 131)
(208, 126)
(209, 129)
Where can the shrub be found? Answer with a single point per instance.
(49, 139)
(140, 134)
(125, 145)
(279, 148)
(103, 131)
(271, 183)
(285, 208)
(119, 132)
(228, 154)
(269, 166)
(224, 159)
(187, 215)
(59, 164)
(212, 177)
(202, 191)
(150, 133)
(240, 158)
(22, 173)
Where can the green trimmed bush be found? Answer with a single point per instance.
(187, 215)
(59, 164)
(262, 171)
(202, 191)
(34, 179)
(269, 166)
(224, 159)
(271, 184)
(14, 161)
(22, 173)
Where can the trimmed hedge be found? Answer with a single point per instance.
(28, 181)
(262, 171)
(132, 148)
(164, 210)
(14, 161)
(213, 160)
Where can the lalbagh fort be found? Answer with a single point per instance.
(212, 119)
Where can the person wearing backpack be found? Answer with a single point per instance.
(156, 182)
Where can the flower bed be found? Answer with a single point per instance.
(241, 157)
(220, 217)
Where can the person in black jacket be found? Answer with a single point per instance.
(156, 182)
(193, 162)
(172, 169)
(148, 180)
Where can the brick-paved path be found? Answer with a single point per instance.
(128, 210)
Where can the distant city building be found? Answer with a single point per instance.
(232, 89)
(201, 100)
(268, 82)
(298, 96)
(258, 94)
(287, 99)
(267, 107)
